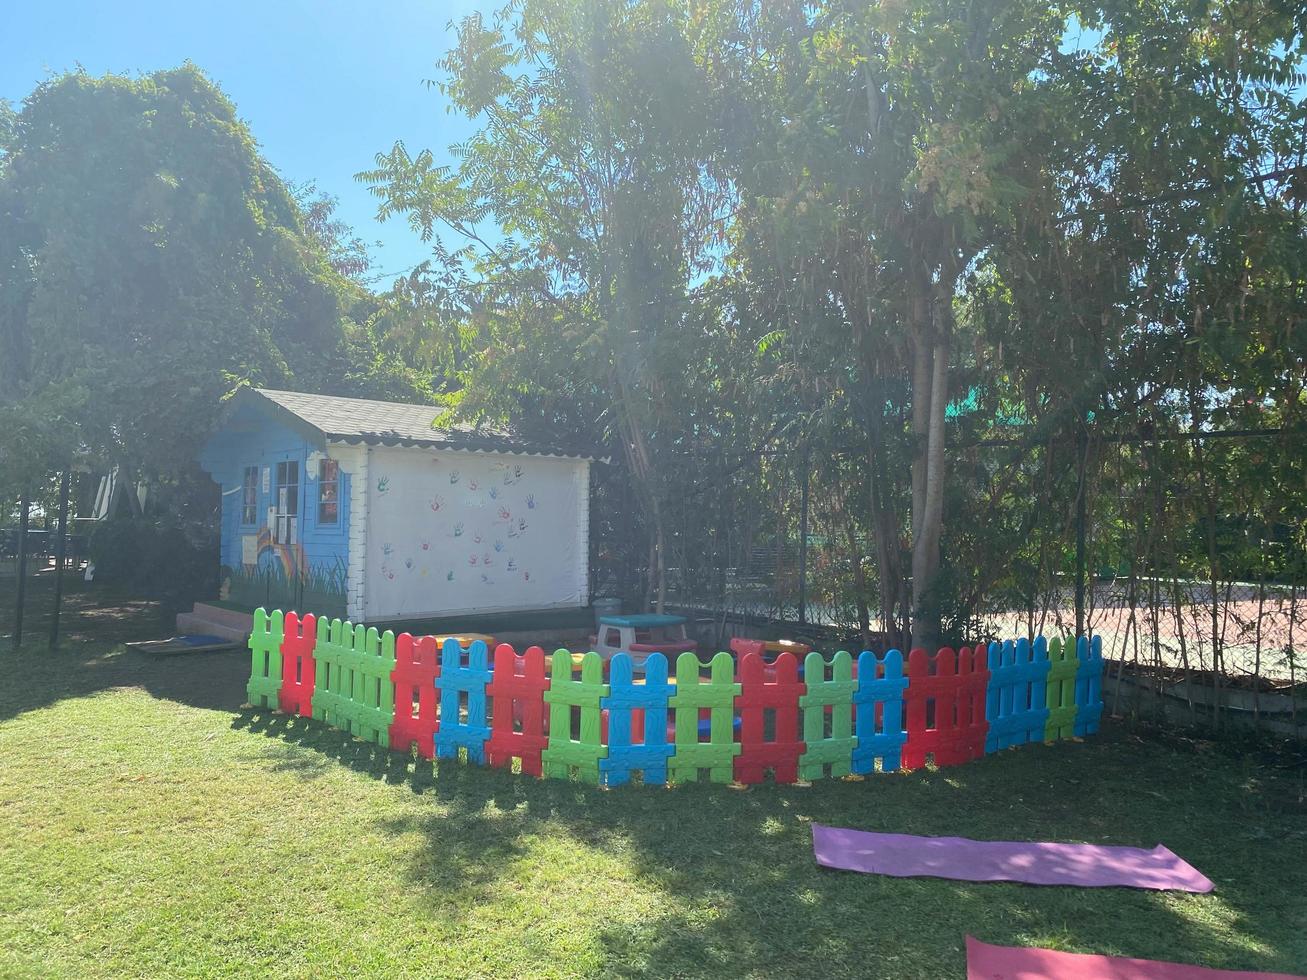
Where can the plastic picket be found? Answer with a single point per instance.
(517, 725)
(878, 712)
(458, 682)
(565, 693)
(717, 695)
(1089, 685)
(954, 685)
(776, 688)
(297, 666)
(821, 750)
(264, 685)
(370, 709)
(329, 690)
(417, 665)
(1016, 702)
(626, 702)
(1060, 691)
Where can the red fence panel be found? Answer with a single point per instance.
(769, 687)
(299, 637)
(517, 716)
(971, 725)
(417, 716)
(945, 704)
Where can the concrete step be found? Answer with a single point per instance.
(229, 617)
(206, 620)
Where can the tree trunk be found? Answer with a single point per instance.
(926, 533)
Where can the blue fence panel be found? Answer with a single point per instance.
(1016, 699)
(1089, 685)
(470, 732)
(884, 740)
(625, 697)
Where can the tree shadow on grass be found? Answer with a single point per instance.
(41, 677)
(741, 893)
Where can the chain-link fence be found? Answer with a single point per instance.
(1185, 555)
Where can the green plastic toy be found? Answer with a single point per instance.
(821, 750)
(1060, 690)
(718, 695)
(265, 659)
(563, 694)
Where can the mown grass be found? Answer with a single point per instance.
(149, 827)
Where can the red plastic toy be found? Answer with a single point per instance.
(517, 722)
(297, 665)
(766, 687)
(417, 665)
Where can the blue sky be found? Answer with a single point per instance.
(324, 86)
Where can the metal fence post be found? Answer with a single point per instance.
(1082, 444)
(61, 555)
(803, 537)
(25, 502)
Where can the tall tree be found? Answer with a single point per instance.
(150, 260)
(583, 208)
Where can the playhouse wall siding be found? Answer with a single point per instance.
(311, 570)
(456, 532)
(354, 459)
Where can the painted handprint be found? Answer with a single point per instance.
(436, 503)
(471, 559)
(499, 546)
(473, 485)
(504, 514)
(530, 501)
(387, 549)
(453, 477)
(383, 485)
(494, 493)
(458, 529)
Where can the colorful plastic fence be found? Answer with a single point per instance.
(724, 720)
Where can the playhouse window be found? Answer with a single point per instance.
(250, 497)
(286, 528)
(328, 491)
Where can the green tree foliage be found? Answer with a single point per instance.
(878, 235)
(150, 261)
(592, 168)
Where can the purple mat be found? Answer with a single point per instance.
(1083, 865)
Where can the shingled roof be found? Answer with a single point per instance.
(325, 418)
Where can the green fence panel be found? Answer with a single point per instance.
(332, 683)
(717, 695)
(1060, 691)
(371, 706)
(265, 659)
(827, 698)
(565, 693)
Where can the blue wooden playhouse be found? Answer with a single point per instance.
(359, 508)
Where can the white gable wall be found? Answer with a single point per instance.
(463, 533)
(354, 461)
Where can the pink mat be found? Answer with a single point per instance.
(986, 962)
(1083, 865)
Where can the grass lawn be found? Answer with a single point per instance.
(150, 827)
